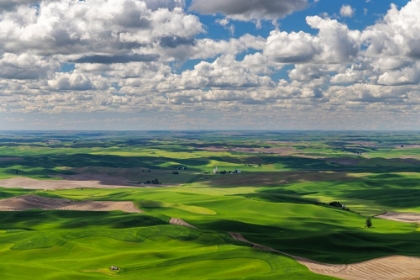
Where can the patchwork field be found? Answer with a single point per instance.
(147, 204)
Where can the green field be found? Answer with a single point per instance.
(280, 200)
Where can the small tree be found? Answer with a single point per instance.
(368, 223)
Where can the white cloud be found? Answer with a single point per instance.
(77, 81)
(292, 47)
(347, 11)
(223, 21)
(224, 72)
(84, 27)
(406, 75)
(26, 66)
(128, 57)
(339, 43)
(397, 33)
(208, 48)
(334, 43)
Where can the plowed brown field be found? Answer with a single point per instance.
(401, 217)
(179, 222)
(27, 202)
(68, 182)
(388, 268)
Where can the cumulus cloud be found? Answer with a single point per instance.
(396, 34)
(347, 11)
(209, 48)
(128, 56)
(406, 75)
(334, 43)
(26, 66)
(225, 23)
(77, 81)
(249, 9)
(308, 73)
(224, 72)
(292, 47)
(339, 43)
(392, 45)
(111, 26)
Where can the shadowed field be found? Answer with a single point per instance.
(73, 206)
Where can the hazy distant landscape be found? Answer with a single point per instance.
(209, 139)
(152, 205)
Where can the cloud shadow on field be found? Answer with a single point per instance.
(302, 169)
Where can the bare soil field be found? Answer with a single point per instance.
(413, 146)
(278, 178)
(103, 178)
(214, 149)
(68, 182)
(27, 202)
(285, 151)
(401, 217)
(388, 268)
(179, 222)
(364, 143)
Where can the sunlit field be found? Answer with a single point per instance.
(274, 189)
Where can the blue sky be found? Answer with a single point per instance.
(199, 64)
(375, 10)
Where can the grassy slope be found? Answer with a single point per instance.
(277, 209)
(370, 194)
(83, 245)
(299, 227)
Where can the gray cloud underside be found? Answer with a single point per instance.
(249, 9)
(104, 59)
(7, 5)
(175, 41)
(333, 69)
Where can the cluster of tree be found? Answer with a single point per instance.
(229, 172)
(153, 182)
(369, 223)
(181, 168)
(338, 205)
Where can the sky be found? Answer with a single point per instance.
(209, 65)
